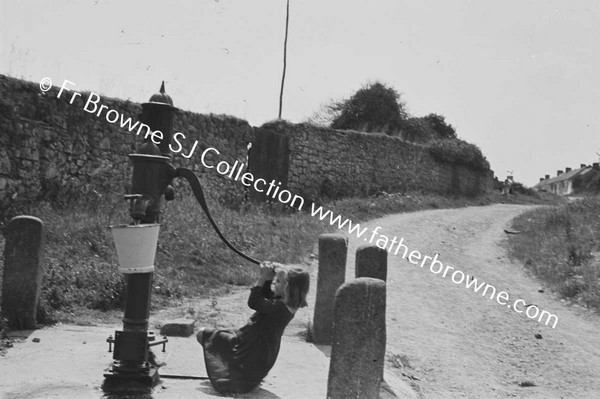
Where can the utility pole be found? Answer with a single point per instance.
(287, 21)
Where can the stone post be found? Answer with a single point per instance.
(22, 279)
(371, 261)
(333, 249)
(358, 351)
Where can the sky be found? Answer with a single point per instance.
(520, 79)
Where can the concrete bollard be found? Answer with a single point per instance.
(22, 279)
(371, 261)
(333, 249)
(358, 351)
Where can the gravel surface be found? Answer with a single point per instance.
(460, 344)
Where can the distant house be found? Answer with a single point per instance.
(562, 183)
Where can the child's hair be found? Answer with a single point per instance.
(297, 282)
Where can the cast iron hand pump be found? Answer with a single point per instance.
(151, 180)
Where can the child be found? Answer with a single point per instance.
(237, 360)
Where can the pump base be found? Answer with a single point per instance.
(118, 380)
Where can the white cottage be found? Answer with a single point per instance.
(562, 183)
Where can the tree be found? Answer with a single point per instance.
(374, 107)
(439, 125)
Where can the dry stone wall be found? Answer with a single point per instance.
(50, 148)
(332, 163)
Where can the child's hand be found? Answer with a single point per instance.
(267, 270)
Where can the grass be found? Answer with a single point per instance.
(560, 245)
(80, 267)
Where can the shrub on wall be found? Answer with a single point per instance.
(417, 130)
(426, 128)
(439, 125)
(373, 108)
(458, 152)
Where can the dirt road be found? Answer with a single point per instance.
(462, 345)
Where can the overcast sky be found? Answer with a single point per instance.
(520, 79)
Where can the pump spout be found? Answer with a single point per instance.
(138, 209)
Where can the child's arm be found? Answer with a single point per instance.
(266, 290)
(259, 303)
(261, 294)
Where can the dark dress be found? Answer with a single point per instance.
(238, 360)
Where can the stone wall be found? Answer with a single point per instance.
(50, 148)
(331, 163)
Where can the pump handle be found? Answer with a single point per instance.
(197, 189)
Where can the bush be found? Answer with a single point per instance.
(588, 183)
(427, 128)
(458, 152)
(519, 188)
(442, 129)
(373, 108)
(417, 130)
